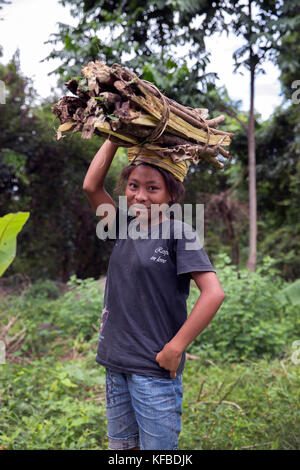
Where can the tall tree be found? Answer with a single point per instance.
(264, 25)
(278, 164)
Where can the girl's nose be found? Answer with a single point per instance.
(141, 196)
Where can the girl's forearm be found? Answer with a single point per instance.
(202, 313)
(99, 166)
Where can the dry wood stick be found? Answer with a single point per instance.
(191, 116)
(223, 401)
(216, 121)
(230, 390)
(200, 391)
(177, 108)
(256, 445)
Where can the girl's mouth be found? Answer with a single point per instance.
(138, 211)
(139, 207)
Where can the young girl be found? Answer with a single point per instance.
(144, 326)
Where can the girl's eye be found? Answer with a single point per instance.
(134, 185)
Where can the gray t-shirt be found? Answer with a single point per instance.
(147, 285)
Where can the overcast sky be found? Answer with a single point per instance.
(28, 24)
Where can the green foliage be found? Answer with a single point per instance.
(42, 289)
(53, 396)
(243, 390)
(278, 190)
(78, 311)
(10, 226)
(288, 58)
(17, 161)
(37, 171)
(291, 294)
(140, 37)
(17, 129)
(251, 323)
(52, 405)
(53, 321)
(253, 406)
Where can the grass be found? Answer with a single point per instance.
(51, 404)
(241, 406)
(52, 392)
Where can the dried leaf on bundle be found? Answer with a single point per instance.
(115, 103)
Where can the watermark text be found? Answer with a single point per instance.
(296, 94)
(296, 354)
(2, 92)
(153, 221)
(2, 352)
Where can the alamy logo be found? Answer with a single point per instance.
(146, 222)
(296, 94)
(296, 354)
(2, 92)
(2, 352)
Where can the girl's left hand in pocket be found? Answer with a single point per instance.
(169, 359)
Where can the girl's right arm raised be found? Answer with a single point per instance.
(93, 184)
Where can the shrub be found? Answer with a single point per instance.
(251, 322)
(79, 309)
(42, 289)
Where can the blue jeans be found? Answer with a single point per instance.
(143, 411)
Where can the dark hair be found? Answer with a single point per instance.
(174, 187)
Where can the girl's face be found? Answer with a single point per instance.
(146, 186)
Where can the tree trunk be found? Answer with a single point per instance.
(226, 210)
(251, 264)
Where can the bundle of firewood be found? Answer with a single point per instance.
(114, 102)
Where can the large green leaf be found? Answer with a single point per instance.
(291, 292)
(10, 226)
